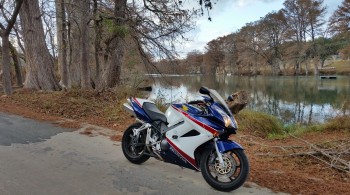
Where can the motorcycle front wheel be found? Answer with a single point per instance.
(134, 146)
(228, 177)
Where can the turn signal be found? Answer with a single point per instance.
(216, 134)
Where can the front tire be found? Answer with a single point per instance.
(227, 178)
(134, 147)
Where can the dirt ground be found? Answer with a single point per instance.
(272, 164)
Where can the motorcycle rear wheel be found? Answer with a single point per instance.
(227, 178)
(134, 147)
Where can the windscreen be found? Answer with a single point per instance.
(214, 93)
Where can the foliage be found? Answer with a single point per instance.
(289, 41)
(118, 30)
(340, 20)
(338, 123)
(259, 124)
(342, 67)
(265, 125)
(299, 129)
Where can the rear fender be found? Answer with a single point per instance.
(128, 108)
(138, 110)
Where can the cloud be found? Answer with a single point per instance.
(222, 4)
(230, 15)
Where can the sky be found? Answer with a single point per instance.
(230, 15)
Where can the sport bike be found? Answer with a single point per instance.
(194, 135)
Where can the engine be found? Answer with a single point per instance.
(157, 143)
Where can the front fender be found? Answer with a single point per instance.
(226, 145)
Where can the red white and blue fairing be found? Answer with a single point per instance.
(188, 128)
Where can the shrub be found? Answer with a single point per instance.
(338, 123)
(259, 124)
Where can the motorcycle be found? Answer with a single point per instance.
(193, 135)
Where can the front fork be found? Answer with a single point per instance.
(218, 153)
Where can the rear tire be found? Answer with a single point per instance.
(229, 178)
(134, 147)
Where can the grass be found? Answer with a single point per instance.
(258, 123)
(296, 130)
(338, 123)
(76, 104)
(268, 126)
(342, 67)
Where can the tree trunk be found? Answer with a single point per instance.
(111, 73)
(17, 65)
(5, 33)
(316, 61)
(40, 67)
(73, 33)
(62, 42)
(6, 77)
(97, 27)
(19, 42)
(84, 9)
(237, 101)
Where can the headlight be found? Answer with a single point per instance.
(228, 121)
(236, 124)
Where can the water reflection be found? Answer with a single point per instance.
(293, 99)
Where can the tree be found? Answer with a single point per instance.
(16, 63)
(5, 33)
(230, 52)
(327, 47)
(295, 13)
(303, 17)
(40, 73)
(213, 57)
(155, 27)
(98, 37)
(315, 22)
(194, 61)
(62, 42)
(4, 8)
(249, 47)
(340, 20)
(271, 29)
(340, 25)
(84, 17)
(115, 48)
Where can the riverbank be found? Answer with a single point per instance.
(342, 67)
(281, 159)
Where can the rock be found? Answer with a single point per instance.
(148, 88)
(237, 101)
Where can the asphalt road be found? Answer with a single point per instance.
(40, 158)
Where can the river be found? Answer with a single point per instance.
(292, 99)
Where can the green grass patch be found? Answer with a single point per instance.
(259, 124)
(342, 67)
(297, 130)
(268, 126)
(338, 123)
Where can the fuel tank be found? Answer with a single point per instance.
(174, 116)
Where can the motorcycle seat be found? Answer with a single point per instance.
(153, 112)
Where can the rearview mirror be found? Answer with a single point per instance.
(204, 90)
